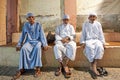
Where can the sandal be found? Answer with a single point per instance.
(102, 71)
(105, 73)
(18, 74)
(58, 71)
(93, 74)
(37, 73)
(67, 73)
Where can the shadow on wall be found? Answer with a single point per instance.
(110, 23)
(108, 14)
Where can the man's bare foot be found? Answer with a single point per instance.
(96, 72)
(94, 69)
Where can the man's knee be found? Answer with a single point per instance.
(38, 46)
(24, 47)
(57, 46)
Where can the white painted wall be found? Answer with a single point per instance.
(47, 12)
(101, 7)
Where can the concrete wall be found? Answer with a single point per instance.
(47, 12)
(9, 57)
(109, 37)
(108, 13)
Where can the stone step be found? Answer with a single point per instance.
(10, 57)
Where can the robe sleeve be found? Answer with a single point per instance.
(72, 31)
(57, 34)
(42, 37)
(101, 35)
(22, 37)
(83, 35)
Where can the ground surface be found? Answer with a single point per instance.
(48, 74)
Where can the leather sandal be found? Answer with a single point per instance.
(67, 73)
(93, 74)
(58, 71)
(37, 73)
(102, 71)
(18, 74)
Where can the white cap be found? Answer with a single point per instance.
(29, 15)
(66, 16)
(92, 14)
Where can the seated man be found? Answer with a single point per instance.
(92, 39)
(65, 47)
(30, 43)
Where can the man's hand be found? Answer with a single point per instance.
(104, 46)
(65, 40)
(45, 48)
(82, 45)
(18, 48)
